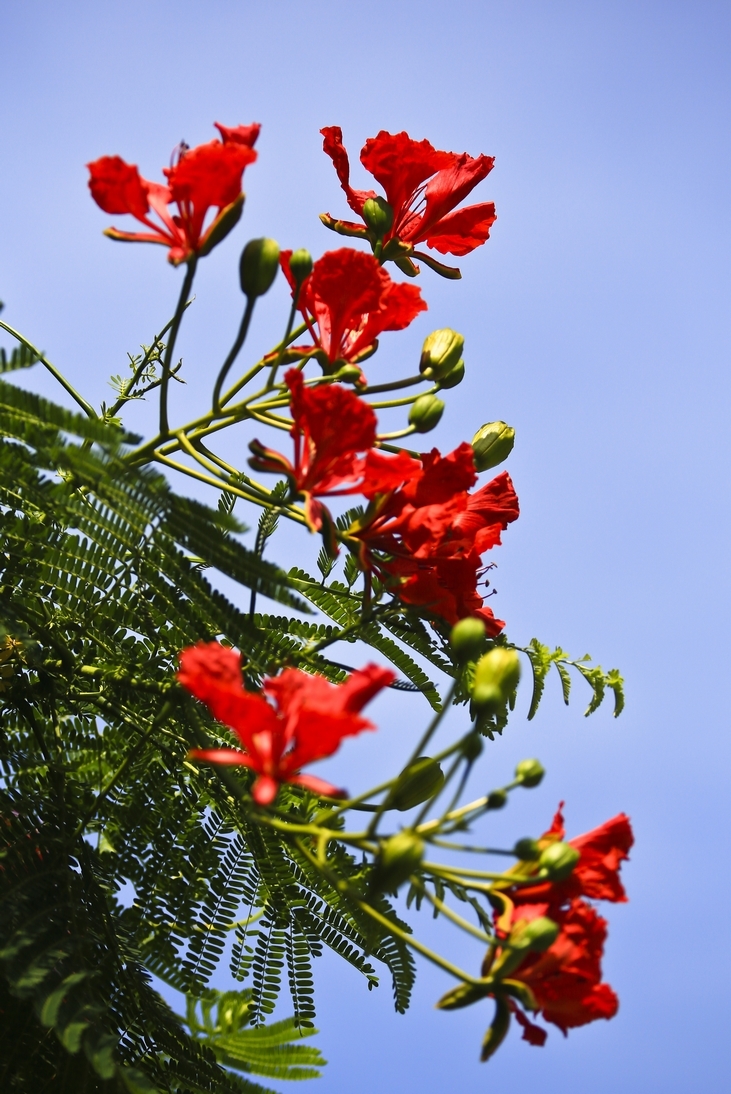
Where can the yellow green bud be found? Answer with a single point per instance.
(467, 639)
(419, 781)
(397, 859)
(258, 267)
(496, 677)
(454, 376)
(492, 444)
(440, 353)
(425, 413)
(558, 861)
(536, 936)
(300, 265)
(530, 773)
(378, 215)
(348, 374)
(496, 799)
(527, 850)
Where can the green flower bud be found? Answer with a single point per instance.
(472, 748)
(536, 936)
(419, 781)
(348, 374)
(454, 376)
(300, 265)
(425, 413)
(258, 267)
(496, 799)
(530, 773)
(527, 850)
(441, 351)
(558, 861)
(492, 444)
(496, 677)
(397, 859)
(378, 215)
(467, 639)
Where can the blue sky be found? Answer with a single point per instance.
(596, 322)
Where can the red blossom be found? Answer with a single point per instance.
(347, 301)
(331, 426)
(428, 532)
(306, 720)
(204, 178)
(566, 979)
(423, 186)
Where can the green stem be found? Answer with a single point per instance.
(174, 328)
(79, 399)
(456, 919)
(233, 352)
(427, 736)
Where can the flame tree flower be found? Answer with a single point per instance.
(204, 178)
(331, 426)
(423, 188)
(346, 302)
(306, 721)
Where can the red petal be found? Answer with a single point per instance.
(460, 232)
(221, 756)
(401, 164)
(117, 187)
(333, 146)
(239, 134)
(265, 790)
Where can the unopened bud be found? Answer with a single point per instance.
(537, 935)
(441, 351)
(397, 859)
(527, 850)
(467, 639)
(492, 444)
(530, 773)
(454, 376)
(348, 374)
(558, 861)
(496, 677)
(419, 781)
(425, 413)
(472, 747)
(258, 267)
(378, 215)
(496, 799)
(300, 265)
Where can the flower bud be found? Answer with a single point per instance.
(258, 267)
(454, 376)
(530, 773)
(425, 413)
(536, 936)
(496, 677)
(419, 781)
(348, 374)
(472, 747)
(496, 799)
(397, 859)
(467, 639)
(300, 265)
(378, 215)
(492, 444)
(440, 353)
(558, 861)
(527, 850)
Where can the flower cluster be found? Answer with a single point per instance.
(423, 532)
(565, 980)
(307, 721)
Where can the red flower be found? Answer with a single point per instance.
(307, 721)
(204, 178)
(347, 301)
(596, 874)
(423, 187)
(432, 531)
(331, 426)
(566, 980)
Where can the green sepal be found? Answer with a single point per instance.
(498, 1029)
(225, 222)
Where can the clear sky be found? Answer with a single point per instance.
(596, 321)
